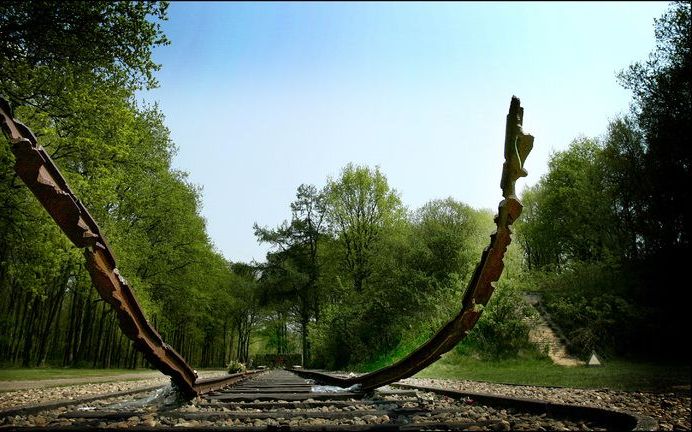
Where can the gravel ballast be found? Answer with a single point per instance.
(670, 410)
(39, 394)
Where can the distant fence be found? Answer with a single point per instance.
(277, 360)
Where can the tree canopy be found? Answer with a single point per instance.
(609, 224)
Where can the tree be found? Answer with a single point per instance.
(662, 106)
(625, 183)
(360, 207)
(71, 70)
(45, 46)
(246, 309)
(453, 235)
(535, 232)
(569, 217)
(293, 269)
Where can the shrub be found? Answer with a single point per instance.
(593, 304)
(236, 367)
(503, 329)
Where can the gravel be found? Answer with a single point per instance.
(31, 396)
(671, 410)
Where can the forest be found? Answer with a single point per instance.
(353, 276)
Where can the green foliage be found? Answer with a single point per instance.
(290, 276)
(360, 208)
(624, 179)
(610, 223)
(451, 236)
(234, 366)
(412, 339)
(527, 370)
(71, 71)
(421, 265)
(568, 217)
(601, 307)
(49, 46)
(662, 90)
(503, 330)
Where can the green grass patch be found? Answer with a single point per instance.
(614, 374)
(31, 374)
(403, 349)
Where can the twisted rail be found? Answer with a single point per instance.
(481, 286)
(38, 171)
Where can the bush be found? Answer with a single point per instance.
(594, 304)
(236, 367)
(503, 329)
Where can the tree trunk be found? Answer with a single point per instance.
(53, 310)
(98, 337)
(29, 334)
(19, 327)
(305, 339)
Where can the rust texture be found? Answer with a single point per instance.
(481, 286)
(38, 171)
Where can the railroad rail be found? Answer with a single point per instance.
(282, 401)
(480, 287)
(42, 176)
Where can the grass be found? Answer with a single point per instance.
(392, 356)
(31, 374)
(614, 374)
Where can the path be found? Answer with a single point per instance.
(59, 382)
(543, 335)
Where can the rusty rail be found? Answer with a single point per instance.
(38, 171)
(481, 286)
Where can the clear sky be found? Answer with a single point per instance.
(261, 97)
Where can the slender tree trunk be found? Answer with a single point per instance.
(119, 351)
(231, 345)
(10, 306)
(88, 318)
(98, 337)
(71, 331)
(79, 330)
(52, 310)
(29, 338)
(50, 327)
(304, 339)
(18, 331)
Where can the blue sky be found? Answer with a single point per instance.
(261, 97)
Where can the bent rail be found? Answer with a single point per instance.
(38, 171)
(481, 286)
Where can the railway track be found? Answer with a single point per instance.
(41, 175)
(282, 400)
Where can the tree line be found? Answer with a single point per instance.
(71, 71)
(357, 273)
(604, 237)
(353, 278)
(606, 232)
